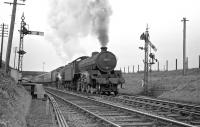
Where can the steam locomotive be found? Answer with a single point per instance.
(93, 74)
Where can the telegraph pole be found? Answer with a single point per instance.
(3, 26)
(184, 45)
(15, 51)
(11, 34)
(43, 66)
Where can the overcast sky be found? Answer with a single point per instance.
(128, 20)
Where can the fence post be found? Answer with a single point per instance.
(133, 69)
(158, 66)
(176, 63)
(199, 61)
(167, 65)
(124, 70)
(128, 69)
(138, 68)
(187, 63)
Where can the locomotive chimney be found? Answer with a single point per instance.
(103, 49)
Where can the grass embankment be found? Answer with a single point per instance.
(132, 84)
(14, 102)
(171, 85)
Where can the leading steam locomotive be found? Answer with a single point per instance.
(93, 74)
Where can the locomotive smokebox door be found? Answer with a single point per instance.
(106, 61)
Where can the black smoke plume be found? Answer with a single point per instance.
(71, 20)
(100, 12)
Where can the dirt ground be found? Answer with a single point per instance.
(40, 115)
(170, 85)
(14, 103)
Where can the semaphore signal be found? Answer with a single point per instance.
(24, 31)
(145, 36)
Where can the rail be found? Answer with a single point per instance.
(59, 116)
(151, 116)
(94, 115)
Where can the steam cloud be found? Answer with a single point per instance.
(73, 19)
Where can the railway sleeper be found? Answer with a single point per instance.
(111, 114)
(196, 122)
(123, 117)
(129, 120)
(182, 118)
(173, 115)
(136, 124)
(101, 110)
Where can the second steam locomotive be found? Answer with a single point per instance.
(93, 74)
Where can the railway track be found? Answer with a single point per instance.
(185, 113)
(74, 117)
(60, 120)
(190, 107)
(109, 114)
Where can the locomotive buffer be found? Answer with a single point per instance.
(24, 31)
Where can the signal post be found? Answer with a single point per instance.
(145, 37)
(24, 31)
(146, 64)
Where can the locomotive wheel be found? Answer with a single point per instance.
(115, 93)
(98, 87)
(78, 86)
(88, 89)
(92, 90)
(82, 88)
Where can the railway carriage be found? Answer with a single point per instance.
(55, 76)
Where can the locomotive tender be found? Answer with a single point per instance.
(93, 74)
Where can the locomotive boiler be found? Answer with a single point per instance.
(104, 61)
